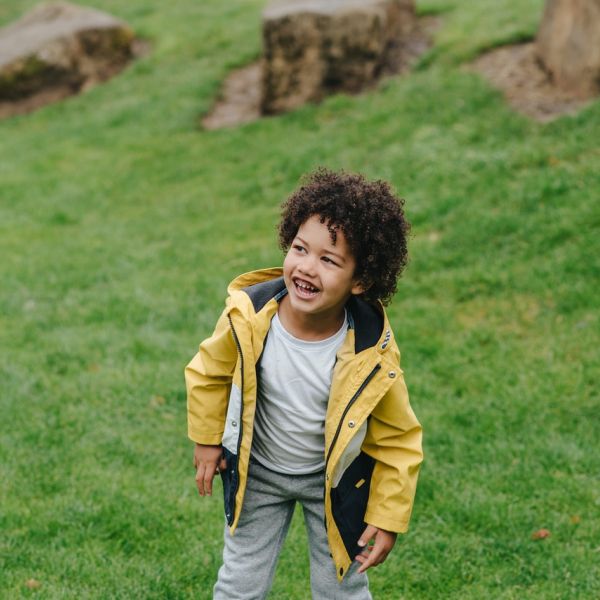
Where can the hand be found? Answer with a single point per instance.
(375, 554)
(208, 460)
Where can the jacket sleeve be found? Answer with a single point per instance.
(208, 381)
(393, 439)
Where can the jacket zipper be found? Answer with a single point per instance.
(239, 444)
(359, 391)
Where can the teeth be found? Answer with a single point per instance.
(306, 286)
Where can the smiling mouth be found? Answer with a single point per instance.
(305, 289)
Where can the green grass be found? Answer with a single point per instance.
(121, 224)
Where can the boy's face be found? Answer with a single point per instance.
(319, 275)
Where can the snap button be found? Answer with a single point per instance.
(234, 423)
(392, 374)
(351, 423)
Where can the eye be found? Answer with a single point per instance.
(328, 260)
(298, 248)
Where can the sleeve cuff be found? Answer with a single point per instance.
(384, 522)
(208, 439)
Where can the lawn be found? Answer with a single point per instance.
(121, 224)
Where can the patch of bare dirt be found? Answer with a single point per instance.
(527, 86)
(239, 100)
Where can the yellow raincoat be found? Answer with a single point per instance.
(372, 437)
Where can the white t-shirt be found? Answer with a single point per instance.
(294, 379)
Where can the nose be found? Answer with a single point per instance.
(307, 265)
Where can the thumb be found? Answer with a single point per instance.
(222, 464)
(367, 534)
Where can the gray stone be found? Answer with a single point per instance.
(312, 48)
(56, 50)
(568, 44)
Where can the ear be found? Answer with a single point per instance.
(359, 288)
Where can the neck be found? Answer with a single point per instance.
(309, 327)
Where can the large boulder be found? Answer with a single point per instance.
(568, 44)
(56, 50)
(316, 47)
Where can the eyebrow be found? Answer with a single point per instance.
(338, 256)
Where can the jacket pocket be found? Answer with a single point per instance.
(349, 502)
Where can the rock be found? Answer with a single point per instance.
(316, 47)
(57, 50)
(568, 44)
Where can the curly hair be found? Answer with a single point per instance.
(368, 213)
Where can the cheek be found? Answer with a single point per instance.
(288, 264)
(342, 282)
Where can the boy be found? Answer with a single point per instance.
(298, 396)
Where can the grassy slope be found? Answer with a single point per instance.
(121, 224)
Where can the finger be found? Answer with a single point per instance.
(364, 555)
(196, 457)
(367, 535)
(377, 555)
(367, 564)
(200, 479)
(366, 551)
(222, 464)
(209, 474)
(372, 561)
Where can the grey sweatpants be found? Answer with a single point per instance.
(250, 555)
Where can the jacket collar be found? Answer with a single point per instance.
(267, 284)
